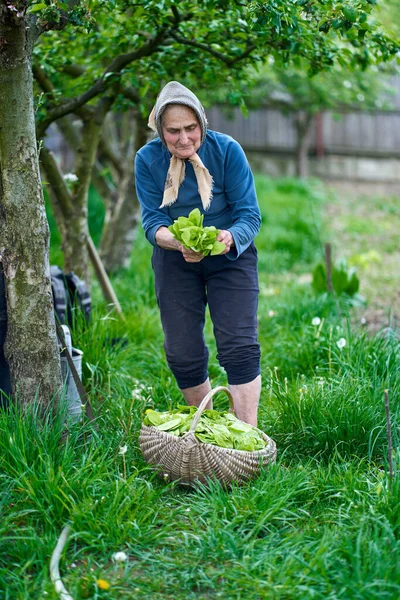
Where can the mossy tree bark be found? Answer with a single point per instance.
(31, 346)
(122, 218)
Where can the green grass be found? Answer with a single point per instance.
(322, 523)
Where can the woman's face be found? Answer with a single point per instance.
(181, 130)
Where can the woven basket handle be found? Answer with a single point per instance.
(205, 401)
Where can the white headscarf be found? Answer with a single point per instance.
(176, 93)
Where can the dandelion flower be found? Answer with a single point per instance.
(316, 321)
(103, 584)
(341, 343)
(120, 556)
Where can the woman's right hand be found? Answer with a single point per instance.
(191, 256)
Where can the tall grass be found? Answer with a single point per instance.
(322, 523)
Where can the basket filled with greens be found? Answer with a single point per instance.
(193, 445)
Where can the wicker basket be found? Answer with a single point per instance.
(188, 460)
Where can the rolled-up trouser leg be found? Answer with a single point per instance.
(232, 294)
(181, 297)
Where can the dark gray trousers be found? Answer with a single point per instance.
(230, 288)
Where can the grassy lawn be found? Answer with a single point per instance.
(364, 229)
(323, 523)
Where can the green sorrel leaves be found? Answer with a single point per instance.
(219, 429)
(191, 233)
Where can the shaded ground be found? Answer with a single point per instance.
(365, 229)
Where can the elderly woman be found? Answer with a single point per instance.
(189, 166)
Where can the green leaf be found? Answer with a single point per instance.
(196, 217)
(319, 279)
(350, 14)
(172, 424)
(37, 7)
(339, 280)
(353, 284)
(217, 248)
(152, 418)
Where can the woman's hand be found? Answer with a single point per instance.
(191, 256)
(226, 238)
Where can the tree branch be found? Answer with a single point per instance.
(130, 93)
(229, 61)
(62, 195)
(74, 70)
(43, 80)
(101, 84)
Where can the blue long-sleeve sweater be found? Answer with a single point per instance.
(234, 205)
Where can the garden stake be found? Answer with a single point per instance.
(328, 263)
(103, 278)
(389, 436)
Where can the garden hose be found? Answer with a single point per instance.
(54, 565)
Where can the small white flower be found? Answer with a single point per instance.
(347, 84)
(341, 343)
(271, 313)
(316, 321)
(360, 97)
(120, 556)
(70, 177)
(123, 450)
(188, 510)
(363, 321)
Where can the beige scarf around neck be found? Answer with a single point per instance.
(176, 174)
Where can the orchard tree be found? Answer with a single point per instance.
(31, 346)
(294, 92)
(124, 38)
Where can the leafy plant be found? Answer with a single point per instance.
(344, 280)
(191, 233)
(220, 429)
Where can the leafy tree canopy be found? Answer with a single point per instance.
(140, 45)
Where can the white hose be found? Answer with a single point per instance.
(54, 565)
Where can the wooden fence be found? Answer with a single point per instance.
(358, 133)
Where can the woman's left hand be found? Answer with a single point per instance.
(226, 238)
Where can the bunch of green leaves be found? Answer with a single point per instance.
(216, 428)
(344, 280)
(191, 233)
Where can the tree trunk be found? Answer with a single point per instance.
(71, 208)
(121, 223)
(76, 231)
(303, 127)
(31, 346)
